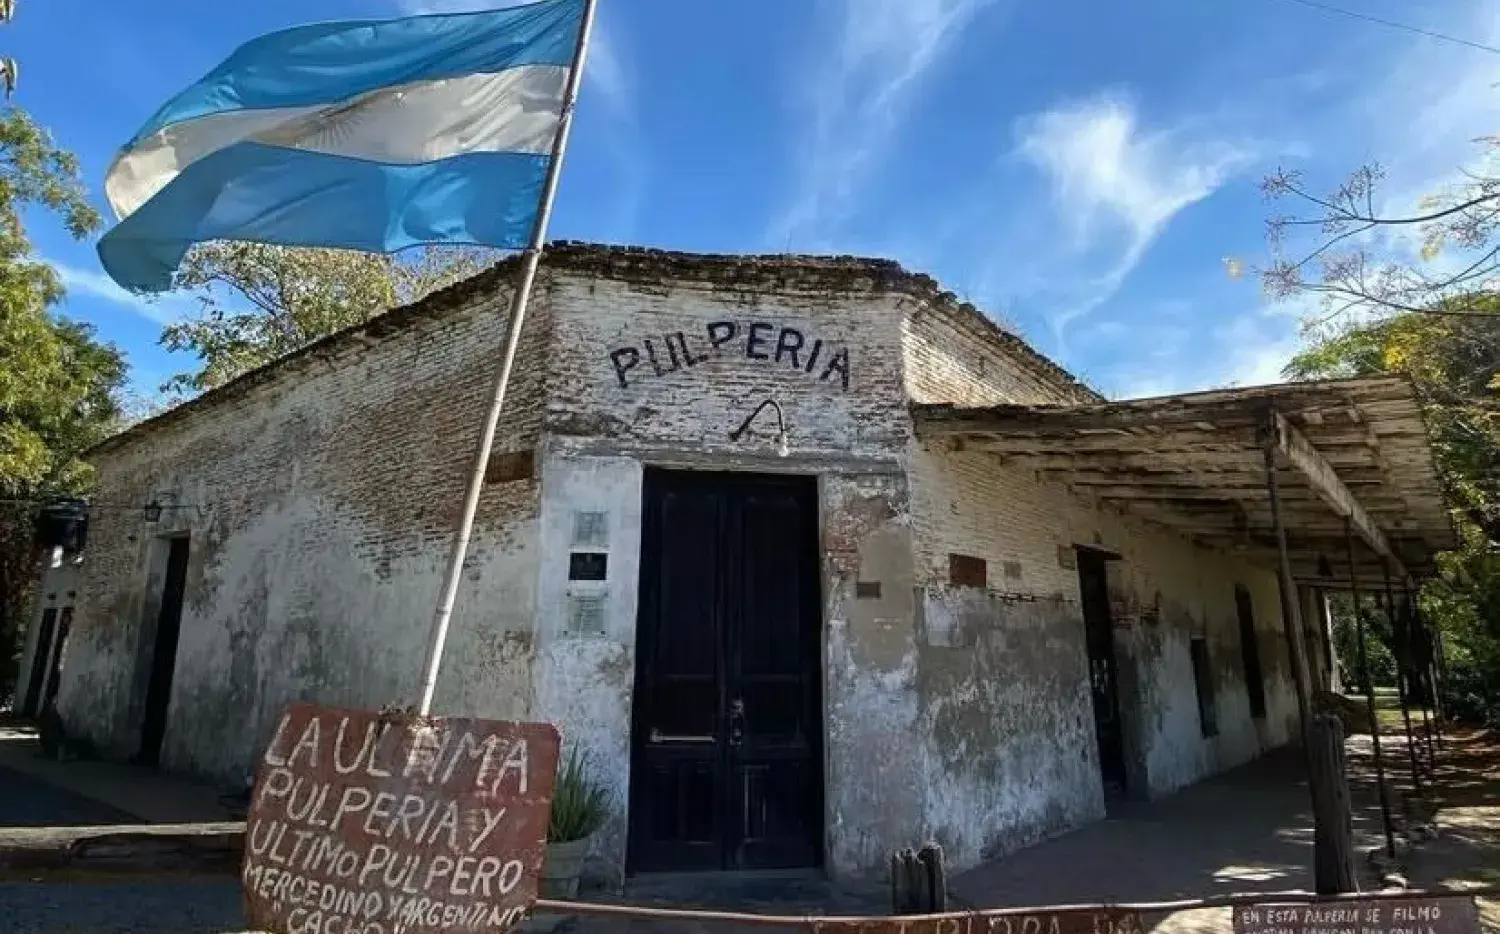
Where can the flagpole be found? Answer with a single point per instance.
(519, 300)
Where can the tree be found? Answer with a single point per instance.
(260, 302)
(57, 383)
(1356, 258)
(1452, 362)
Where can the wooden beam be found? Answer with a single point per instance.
(1290, 444)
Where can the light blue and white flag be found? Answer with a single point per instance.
(373, 135)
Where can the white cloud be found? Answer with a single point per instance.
(164, 310)
(883, 50)
(1254, 348)
(1115, 185)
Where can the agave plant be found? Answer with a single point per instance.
(579, 802)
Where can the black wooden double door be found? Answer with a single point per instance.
(727, 717)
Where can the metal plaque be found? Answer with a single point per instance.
(1419, 914)
(371, 823)
(1001, 921)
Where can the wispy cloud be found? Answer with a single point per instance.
(881, 53)
(167, 309)
(1116, 185)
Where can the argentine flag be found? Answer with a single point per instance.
(371, 135)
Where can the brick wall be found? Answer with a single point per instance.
(319, 500)
(956, 355)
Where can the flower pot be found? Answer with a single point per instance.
(562, 868)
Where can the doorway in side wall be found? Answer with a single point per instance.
(726, 734)
(1104, 682)
(31, 704)
(163, 656)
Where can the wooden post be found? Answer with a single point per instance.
(1332, 858)
(1333, 840)
(1291, 610)
(1433, 649)
(1401, 638)
(1369, 689)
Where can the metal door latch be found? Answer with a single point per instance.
(736, 722)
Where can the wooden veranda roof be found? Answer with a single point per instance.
(1348, 453)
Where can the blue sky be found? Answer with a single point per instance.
(1080, 169)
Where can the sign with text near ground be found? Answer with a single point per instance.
(1000, 921)
(367, 823)
(1415, 914)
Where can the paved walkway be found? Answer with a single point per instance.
(134, 793)
(1248, 831)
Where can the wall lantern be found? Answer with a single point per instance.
(153, 511)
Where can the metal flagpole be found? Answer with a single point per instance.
(529, 261)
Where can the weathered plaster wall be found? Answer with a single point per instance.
(717, 348)
(56, 590)
(585, 675)
(876, 773)
(1004, 697)
(319, 502)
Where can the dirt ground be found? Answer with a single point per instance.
(1465, 813)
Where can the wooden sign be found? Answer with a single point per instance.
(1001, 921)
(362, 823)
(1420, 914)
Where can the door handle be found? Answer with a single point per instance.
(657, 736)
(736, 723)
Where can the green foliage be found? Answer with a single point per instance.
(260, 301)
(579, 802)
(1382, 662)
(57, 383)
(1453, 362)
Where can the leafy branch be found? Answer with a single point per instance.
(1343, 268)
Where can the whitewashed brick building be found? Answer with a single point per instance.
(930, 607)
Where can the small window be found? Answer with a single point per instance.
(1203, 680)
(966, 571)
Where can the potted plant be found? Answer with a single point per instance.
(579, 806)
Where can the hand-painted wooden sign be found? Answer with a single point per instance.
(777, 346)
(363, 823)
(1420, 914)
(1000, 921)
